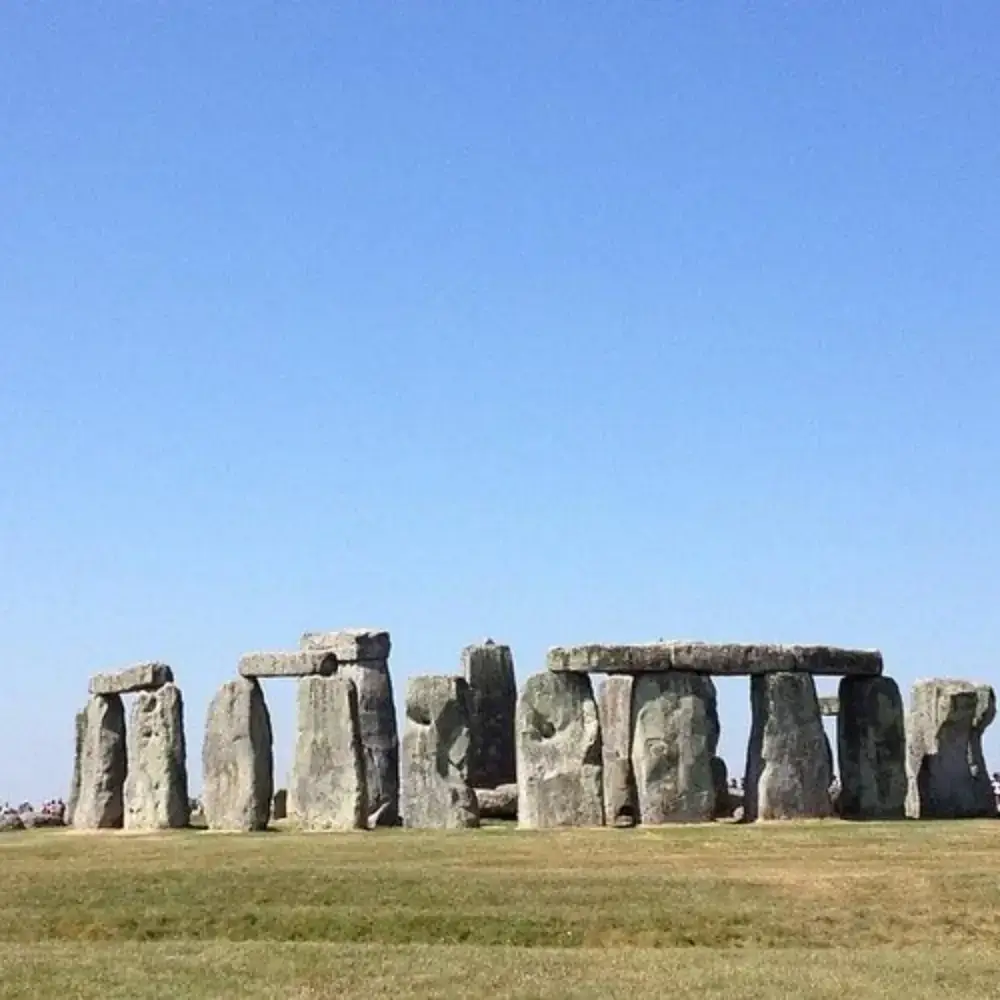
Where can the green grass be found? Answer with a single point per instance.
(785, 910)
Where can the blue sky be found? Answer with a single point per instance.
(548, 321)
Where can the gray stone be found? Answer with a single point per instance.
(559, 753)
(79, 741)
(350, 645)
(722, 659)
(140, 677)
(327, 789)
(11, 822)
(725, 804)
(497, 803)
(156, 786)
(788, 773)
(279, 807)
(614, 708)
(379, 738)
(675, 731)
(488, 668)
(237, 759)
(829, 705)
(302, 664)
(99, 804)
(871, 749)
(436, 746)
(946, 772)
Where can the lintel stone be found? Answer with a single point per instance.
(719, 659)
(322, 663)
(139, 677)
(350, 645)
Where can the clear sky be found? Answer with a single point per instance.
(551, 321)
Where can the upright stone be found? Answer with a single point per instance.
(614, 708)
(788, 773)
(946, 772)
(156, 787)
(79, 741)
(559, 753)
(871, 749)
(102, 766)
(237, 759)
(488, 668)
(436, 747)
(363, 658)
(675, 732)
(327, 790)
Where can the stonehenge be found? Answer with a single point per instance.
(437, 742)
(642, 751)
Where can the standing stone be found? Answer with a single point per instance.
(363, 658)
(614, 708)
(489, 671)
(99, 804)
(788, 772)
(79, 741)
(559, 753)
(724, 805)
(947, 777)
(327, 790)
(675, 731)
(436, 746)
(871, 748)
(237, 759)
(279, 804)
(156, 787)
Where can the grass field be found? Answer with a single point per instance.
(907, 910)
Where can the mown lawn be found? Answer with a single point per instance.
(908, 910)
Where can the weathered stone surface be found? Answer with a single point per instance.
(321, 663)
(946, 772)
(829, 705)
(140, 677)
(871, 749)
(788, 771)
(614, 708)
(350, 645)
(559, 753)
(237, 759)
(79, 741)
(379, 738)
(11, 822)
(327, 790)
(725, 804)
(156, 785)
(497, 803)
(99, 804)
(436, 746)
(675, 730)
(488, 669)
(722, 659)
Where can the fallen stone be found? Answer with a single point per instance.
(721, 659)
(436, 747)
(614, 708)
(79, 741)
(99, 804)
(11, 822)
(871, 749)
(829, 705)
(156, 786)
(237, 759)
(788, 773)
(488, 669)
(946, 772)
(141, 677)
(327, 789)
(350, 645)
(279, 806)
(560, 771)
(675, 731)
(497, 803)
(301, 664)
